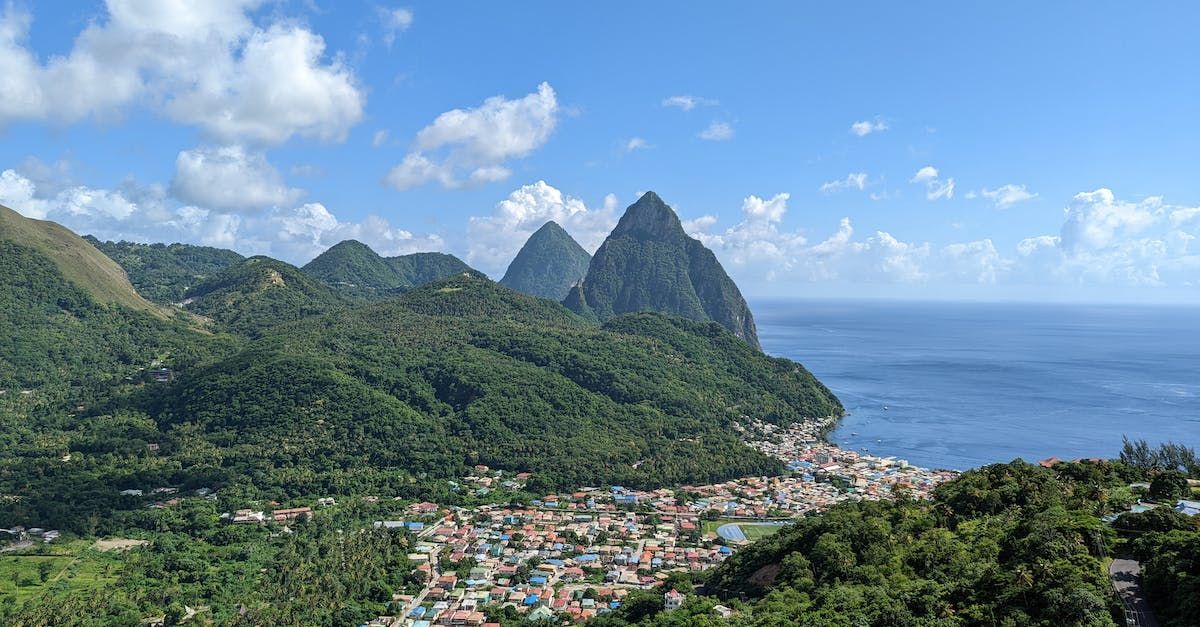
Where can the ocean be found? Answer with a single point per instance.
(959, 385)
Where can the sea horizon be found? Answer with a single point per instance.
(960, 384)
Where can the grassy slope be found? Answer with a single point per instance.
(79, 262)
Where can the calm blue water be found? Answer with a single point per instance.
(971, 384)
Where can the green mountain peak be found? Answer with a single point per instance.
(548, 264)
(648, 263)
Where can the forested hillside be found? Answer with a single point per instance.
(463, 371)
(164, 272)
(353, 269)
(1007, 544)
(259, 293)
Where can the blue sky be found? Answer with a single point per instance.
(1039, 151)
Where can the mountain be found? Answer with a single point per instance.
(79, 263)
(463, 371)
(70, 318)
(163, 272)
(352, 268)
(548, 264)
(259, 293)
(648, 263)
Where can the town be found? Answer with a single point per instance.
(579, 554)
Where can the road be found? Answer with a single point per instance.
(1126, 578)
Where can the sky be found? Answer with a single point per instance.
(946, 150)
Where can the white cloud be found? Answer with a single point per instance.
(925, 174)
(855, 180)
(379, 138)
(495, 239)
(204, 64)
(687, 103)
(936, 188)
(229, 178)
(1005, 196)
(862, 128)
(471, 146)
(395, 21)
(940, 189)
(1103, 241)
(636, 143)
(717, 131)
(147, 213)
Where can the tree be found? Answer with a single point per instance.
(1169, 485)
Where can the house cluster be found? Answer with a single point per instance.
(20, 533)
(249, 516)
(571, 556)
(845, 474)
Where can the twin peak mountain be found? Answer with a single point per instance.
(647, 263)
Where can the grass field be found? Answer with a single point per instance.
(73, 566)
(752, 531)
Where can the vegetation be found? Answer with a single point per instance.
(355, 270)
(548, 264)
(258, 294)
(462, 371)
(54, 335)
(164, 272)
(648, 263)
(76, 261)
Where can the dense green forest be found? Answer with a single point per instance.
(353, 269)
(259, 293)
(462, 371)
(55, 335)
(164, 272)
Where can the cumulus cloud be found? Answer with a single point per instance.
(149, 213)
(936, 188)
(758, 249)
(717, 131)
(855, 180)
(471, 146)
(205, 64)
(862, 128)
(229, 178)
(687, 103)
(1103, 241)
(1006, 196)
(494, 240)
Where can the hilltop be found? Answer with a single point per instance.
(648, 263)
(259, 293)
(354, 269)
(548, 264)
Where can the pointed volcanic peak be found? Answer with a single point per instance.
(549, 263)
(648, 263)
(352, 268)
